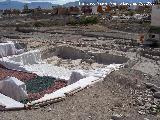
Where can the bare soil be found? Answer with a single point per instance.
(117, 94)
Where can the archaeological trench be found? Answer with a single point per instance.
(47, 75)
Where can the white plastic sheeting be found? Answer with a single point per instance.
(28, 58)
(13, 88)
(66, 74)
(78, 79)
(17, 62)
(75, 76)
(49, 70)
(31, 62)
(82, 83)
(100, 72)
(7, 49)
(9, 103)
(12, 65)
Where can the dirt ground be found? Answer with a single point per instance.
(115, 95)
(121, 96)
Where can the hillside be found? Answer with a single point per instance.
(76, 3)
(19, 5)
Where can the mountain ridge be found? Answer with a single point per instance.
(8, 4)
(19, 5)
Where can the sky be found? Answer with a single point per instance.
(61, 2)
(52, 1)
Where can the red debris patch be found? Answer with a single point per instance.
(23, 76)
(29, 77)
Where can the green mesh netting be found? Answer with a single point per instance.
(39, 84)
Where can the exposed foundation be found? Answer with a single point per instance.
(72, 53)
(76, 68)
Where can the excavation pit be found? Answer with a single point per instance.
(52, 81)
(66, 52)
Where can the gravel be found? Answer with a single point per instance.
(114, 96)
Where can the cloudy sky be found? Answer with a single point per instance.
(52, 1)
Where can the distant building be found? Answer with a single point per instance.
(155, 16)
(94, 10)
(86, 9)
(54, 11)
(153, 35)
(74, 10)
(1, 13)
(132, 7)
(156, 1)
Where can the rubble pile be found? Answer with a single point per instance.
(148, 100)
(151, 53)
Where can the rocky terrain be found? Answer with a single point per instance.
(121, 96)
(130, 93)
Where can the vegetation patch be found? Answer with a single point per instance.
(84, 21)
(154, 29)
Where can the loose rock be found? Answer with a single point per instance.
(156, 95)
(116, 117)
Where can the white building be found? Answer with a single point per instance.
(155, 17)
(133, 7)
(153, 35)
(94, 10)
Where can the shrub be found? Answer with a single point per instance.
(131, 13)
(84, 21)
(39, 24)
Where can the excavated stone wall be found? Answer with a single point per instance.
(106, 58)
(66, 52)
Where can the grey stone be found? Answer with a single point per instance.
(146, 119)
(138, 86)
(153, 112)
(145, 74)
(49, 109)
(156, 101)
(139, 101)
(148, 105)
(142, 108)
(155, 88)
(116, 117)
(156, 95)
(154, 106)
(149, 85)
(141, 112)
